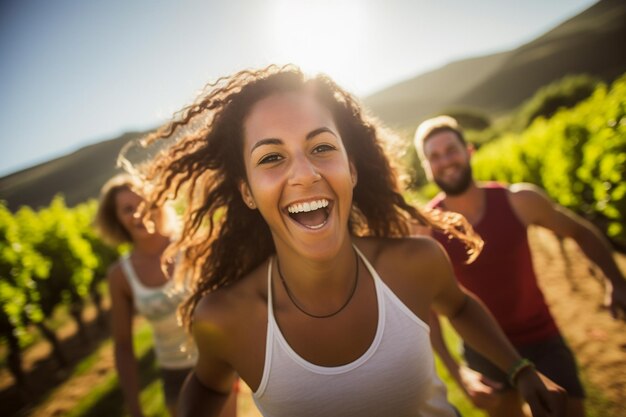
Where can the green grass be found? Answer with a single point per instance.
(455, 395)
(106, 399)
(597, 405)
(85, 365)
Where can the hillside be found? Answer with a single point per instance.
(593, 42)
(78, 176)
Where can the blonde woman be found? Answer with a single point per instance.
(138, 282)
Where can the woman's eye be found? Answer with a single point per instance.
(274, 157)
(323, 148)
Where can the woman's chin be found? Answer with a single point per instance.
(143, 234)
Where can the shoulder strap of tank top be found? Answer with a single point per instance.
(381, 288)
(129, 271)
(369, 266)
(270, 307)
(186, 281)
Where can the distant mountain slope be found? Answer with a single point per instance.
(78, 176)
(593, 42)
(402, 104)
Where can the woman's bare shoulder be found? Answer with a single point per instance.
(224, 320)
(414, 261)
(115, 275)
(410, 267)
(414, 250)
(231, 305)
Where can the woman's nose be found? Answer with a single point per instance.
(303, 172)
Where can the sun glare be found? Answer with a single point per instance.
(319, 36)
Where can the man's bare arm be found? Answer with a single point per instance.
(533, 206)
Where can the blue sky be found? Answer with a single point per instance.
(77, 72)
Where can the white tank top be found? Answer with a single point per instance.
(173, 347)
(395, 377)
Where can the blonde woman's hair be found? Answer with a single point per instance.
(108, 224)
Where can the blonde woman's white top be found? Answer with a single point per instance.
(395, 377)
(173, 347)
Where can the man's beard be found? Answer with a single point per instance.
(460, 186)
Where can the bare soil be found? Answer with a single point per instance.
(572, 286)
(574, 291)
(43, 373)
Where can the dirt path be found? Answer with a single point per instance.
(65, 391)
(598, 342)
(42, 371)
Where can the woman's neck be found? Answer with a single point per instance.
(318, 278)
(150, 247)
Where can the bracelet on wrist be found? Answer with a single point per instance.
(518, 367)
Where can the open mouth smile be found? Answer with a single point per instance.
(311, 214)
(451, 170)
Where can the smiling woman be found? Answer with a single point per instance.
(296, 158)
(307, 287)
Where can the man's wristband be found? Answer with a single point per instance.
(518, 367)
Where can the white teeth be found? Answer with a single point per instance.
(319, 226)
(308, 206)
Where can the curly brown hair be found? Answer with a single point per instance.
(222, 240)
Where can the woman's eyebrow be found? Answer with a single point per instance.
(317, 131)
(268, 141)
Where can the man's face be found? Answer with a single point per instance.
(448, 162)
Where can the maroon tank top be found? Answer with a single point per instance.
(503, 276)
